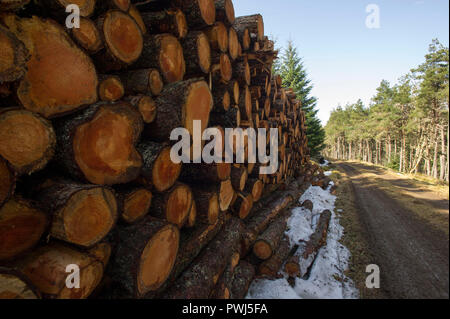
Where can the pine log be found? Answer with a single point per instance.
(255, 187)
(225, 11)
(14, 285)
(199, 13)
(238, 178)
(46, 89)
(222, 290)
(226, 194)
(87, 36)
(241, 71)
(144, 258)
(134, 203)
(7, 181)
(123, 39)
(218, 37)
(222, 70)
(233, 44)
(21, 227)
(222, 99)
(243, 35)
(179, 104)
(272, 266)
(110, 88)
(27, 141)
(136, 15)
(171, 21)
(200, 278)
(46, 269)
(268, 241)
(254, 24)
(145, 105)
(192, 218)
(57, 8)
(245, 104)
(81, 214)
(142, 81)
(262, 217)
(242, 205)
(202, 173)
(98, 144)
(207, 204)
(14, 57)
(105, 5)
(197, 54)
(173, 205)
(158, 170)
(243, 277)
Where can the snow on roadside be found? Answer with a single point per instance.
(327, 279)
(327, 173)
(325, 163)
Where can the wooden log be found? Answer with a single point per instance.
(255, 187)
(241, 72)
(142, 81)
(57, 8)
(197, 54)
(200, 278)
(21, 227)
(268, 241)
(110, 88)
(81, 214)
(222, 70)
(134, 203)
(82, 139)
(14, 285)
(14, 56)
(173, 205)
(199, 13)
(13, 5)
(238, 177)
(7, 181)
(136, 15)
(243, 277)
(87, 36)
(225, 11)
(202, 173)
(218, 37)
(192, 218)
(144, 258)
(207, 205)
(222, 290)
(243, 35)
(27, 141)
(158, 170)
(179, 104)
(105, 5)
(233, 44)
(265, 213)
(123, 41)
(46, 89)
(226, 194)
(171, 21)
(272, 266)
(243, 204)
(46, 269)
(145, 105)
(245, 104)
(222, 99)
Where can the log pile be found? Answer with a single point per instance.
(86, 175)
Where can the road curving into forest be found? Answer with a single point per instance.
(413, 255)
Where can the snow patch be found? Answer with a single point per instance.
(325, 163)
(328, 173)
(327, 279)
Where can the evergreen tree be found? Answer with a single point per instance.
(294, 75)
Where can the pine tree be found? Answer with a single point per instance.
(294, 75)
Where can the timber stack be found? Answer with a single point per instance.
(86, 176)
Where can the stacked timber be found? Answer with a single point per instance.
(86, 173)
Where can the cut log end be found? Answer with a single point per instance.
(207, 11)
(88, 36)
(116, 161)
(191, 221)
(21, 226)
(136, 15)
(136, 205)
(233, 44)
(146, 107)
(226, 194)
(155, 81)
(262, 250)
(158, 258)
(165, 172)
(111, 89)
(198, 105)
(171, 59)
(229, 11)
(27, 141)
(178, 205)
(226, 69)
(122, 36)
(86, 6)
(203, 52)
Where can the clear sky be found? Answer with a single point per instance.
(345, 59)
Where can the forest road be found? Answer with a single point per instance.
(413, 256)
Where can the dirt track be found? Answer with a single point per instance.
(413, 256)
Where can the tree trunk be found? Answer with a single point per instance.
(134, 203)
(145, 105)
(199, 14)
(243, 276)
(271, 266)
(110, 88)
(197, 54)
(142, 81)
(171, 21)
(225, 11)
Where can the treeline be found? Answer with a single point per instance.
(406, 125)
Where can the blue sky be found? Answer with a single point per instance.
(345, 59)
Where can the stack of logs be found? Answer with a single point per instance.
(86, 176)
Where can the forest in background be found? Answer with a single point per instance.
(405, 127)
